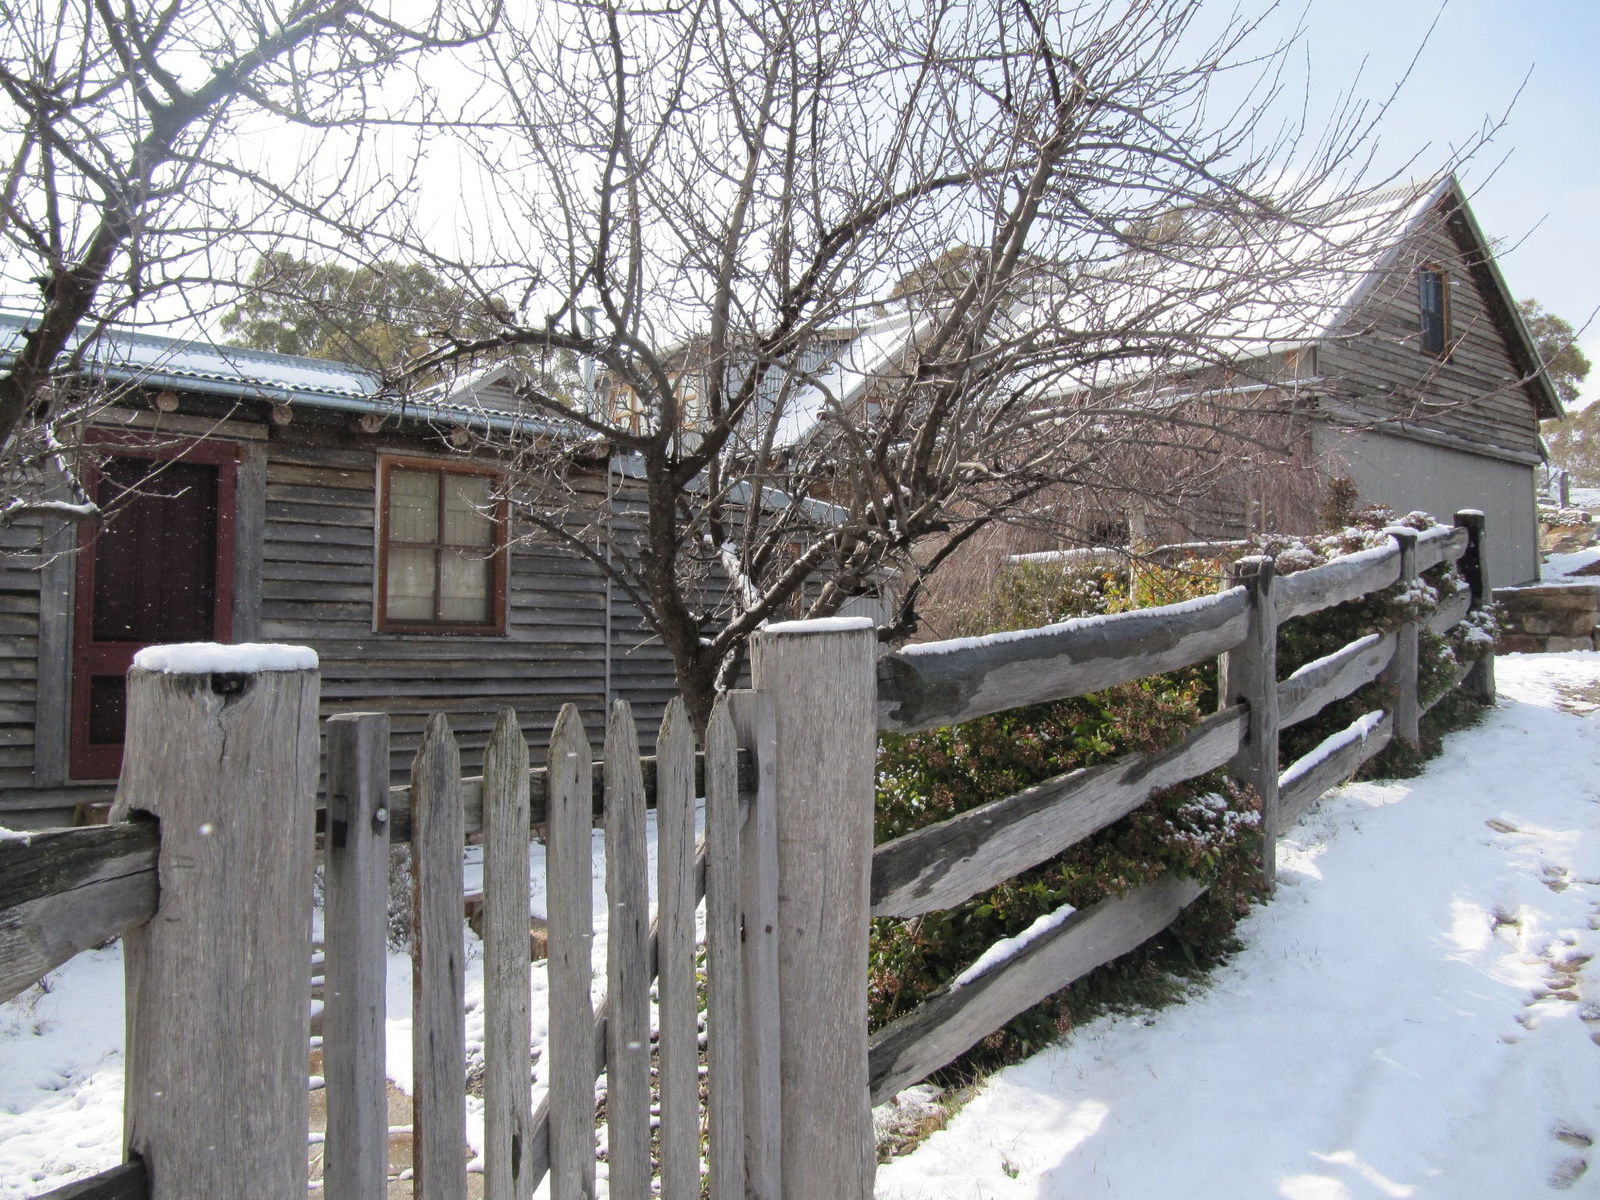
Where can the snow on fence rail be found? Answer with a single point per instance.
(216, 1083)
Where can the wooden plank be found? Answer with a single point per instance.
(944, 864)
(969, 1008)
(217, 982)
(1333, 677)
(627, 963)
(754, 720)
(1450, 613)
(821, 678)
(355, 924)
(127, 1181)
(249, 539)
(724, 1021)
(438, 1006)
(1332, 761)
(1401, 674)
(538, 787)
(539, 1156)
(945, 683)
(57, 574)
(65, 890)
(678, 1042)
(1474, 568)
(1248, 675)
(1343, 579)
(508, 1046)
(570, 1047)
(1441, 544)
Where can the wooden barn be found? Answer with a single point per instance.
(1408, 370)
(262, 497)
(1427, 388)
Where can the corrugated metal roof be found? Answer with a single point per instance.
(133, 357)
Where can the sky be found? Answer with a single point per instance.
(1536, 186)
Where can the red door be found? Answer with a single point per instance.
(158, 567)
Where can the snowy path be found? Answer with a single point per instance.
(1410, 1018)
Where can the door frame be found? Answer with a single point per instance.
(85, 760)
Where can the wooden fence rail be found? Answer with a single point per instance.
(948, 862)
(786, 870)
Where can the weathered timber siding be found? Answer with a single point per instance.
(1379, 369)
(317, 589)
(1407, 474)
(304, 574)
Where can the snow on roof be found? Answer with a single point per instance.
(877, 349)
(133, 357)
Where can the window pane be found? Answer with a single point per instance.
(464, 588)
(413, 506)
(467, 512)
(410, 584)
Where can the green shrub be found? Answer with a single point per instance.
(1206, 828)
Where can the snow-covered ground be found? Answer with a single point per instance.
(1411, 1017)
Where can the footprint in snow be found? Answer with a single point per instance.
(1570, 1168)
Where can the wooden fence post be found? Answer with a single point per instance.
(1480, 680)
(821, 675)
(356, 886)
(222, 748)
(1249, 675)
(1401, 674)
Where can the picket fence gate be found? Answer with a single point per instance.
(217, 801)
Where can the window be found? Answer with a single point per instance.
(441, 549)
(1433, 302)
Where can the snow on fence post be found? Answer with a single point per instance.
(356, 885)
(1480, 680)
(221, 747)
(822, 676)
(1402, 671)
(1249, 675)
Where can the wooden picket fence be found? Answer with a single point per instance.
(227, 763)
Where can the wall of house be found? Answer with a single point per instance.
(1378, 368)
(305, 574)
(1407, 475)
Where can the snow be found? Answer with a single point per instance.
(208, 658)
(823, 625)
(1414, 1015)
(1008, 948)
(1410, 1017)
(847, 378)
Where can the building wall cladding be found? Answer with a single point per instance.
(305, 573)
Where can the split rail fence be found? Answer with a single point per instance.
(207, 870)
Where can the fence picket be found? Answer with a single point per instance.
(760, 1038)
(507, 1050)
(438, 1033)
(678, 1042)
(627, 963)
(1402, 672)
(725, 1103)
(356, 887)
(569, 861)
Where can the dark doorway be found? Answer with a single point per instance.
(157, 568)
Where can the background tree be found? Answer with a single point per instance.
(751, 180)
(146, 148)
(376, 315)
(1575, 439)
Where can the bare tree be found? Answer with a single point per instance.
(144, 148)
(1041, 222)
